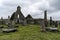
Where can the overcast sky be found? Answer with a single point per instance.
(34, 7)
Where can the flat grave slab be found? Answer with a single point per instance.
(9, 30)
(51, 29)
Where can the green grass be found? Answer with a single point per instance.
(30, 32)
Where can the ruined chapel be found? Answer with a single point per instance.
(18, 17)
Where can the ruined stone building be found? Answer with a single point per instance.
(18, 17)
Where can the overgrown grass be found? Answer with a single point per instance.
(30, 32)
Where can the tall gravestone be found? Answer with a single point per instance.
(45, 18)
(44, 23)
(51, 23)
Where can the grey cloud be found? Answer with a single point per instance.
(33, 7)
(55, 4)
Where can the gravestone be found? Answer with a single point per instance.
(42, 26)
(56, 24)
(11, 24)
(10, 28)
(24, 23)
(2, 22)
(8, 19)
(54, 28)
(44, 23)
(51, 21)
(45, 19)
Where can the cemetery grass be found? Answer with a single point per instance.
(29, 32)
